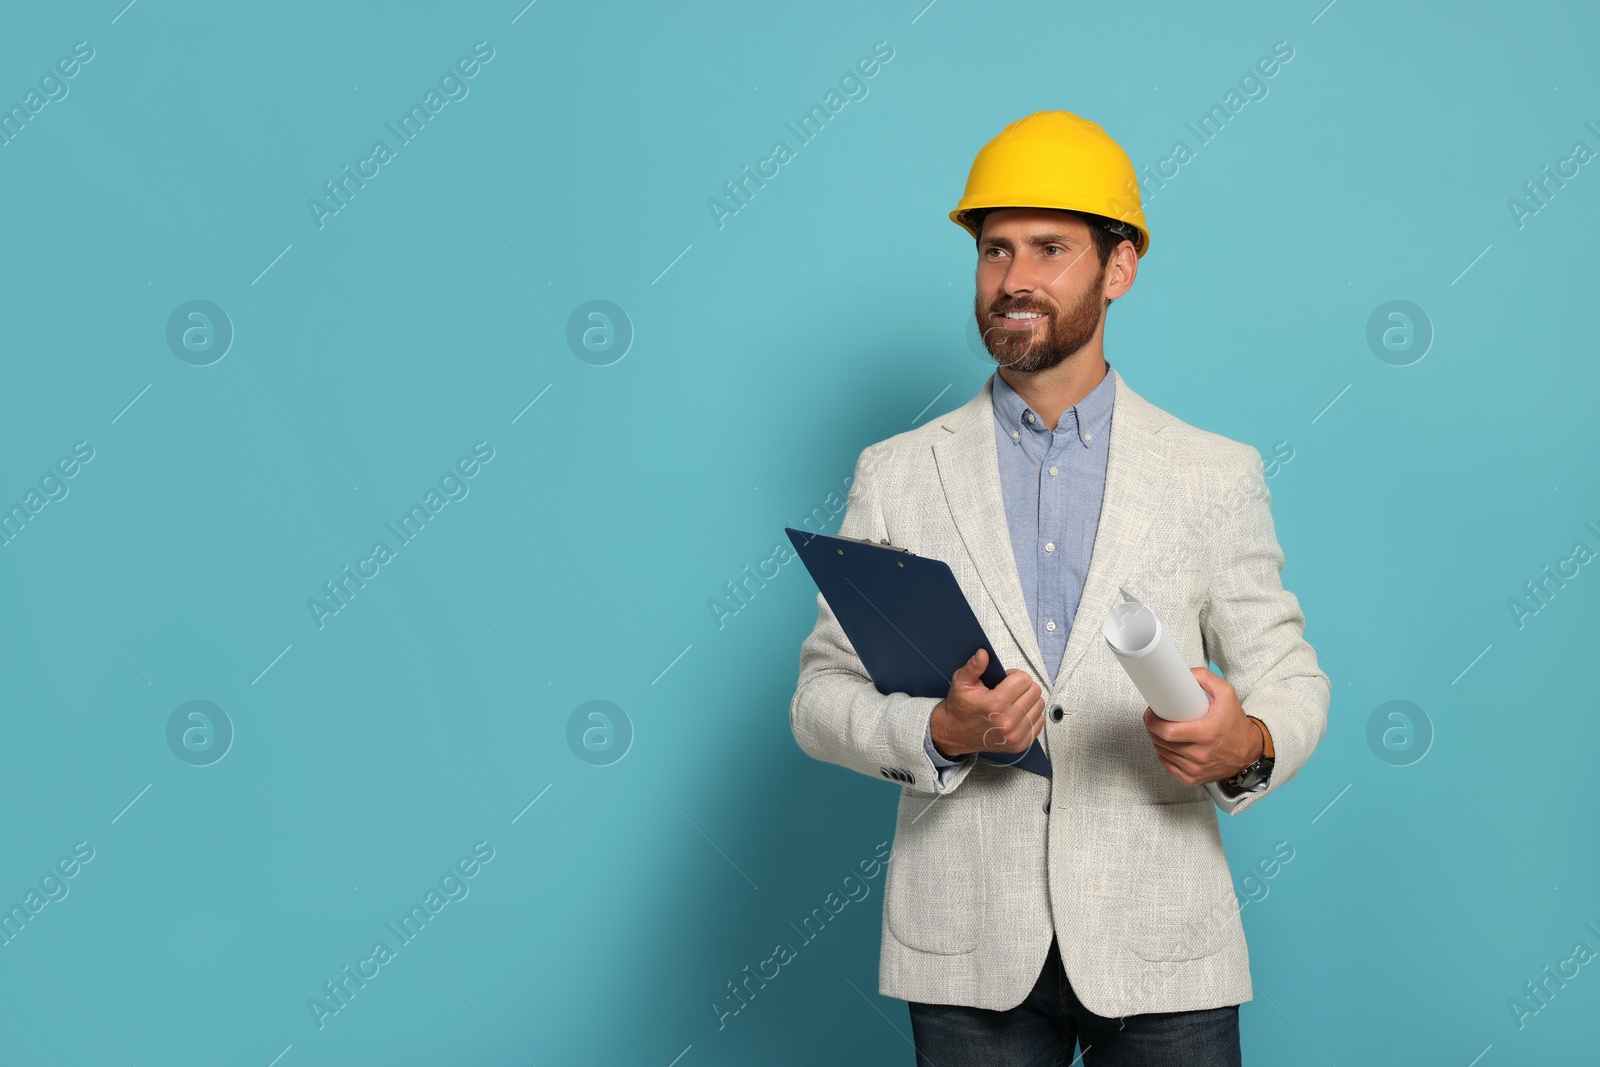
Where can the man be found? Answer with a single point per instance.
(1026, 914)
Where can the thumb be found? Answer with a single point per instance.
(972, 670)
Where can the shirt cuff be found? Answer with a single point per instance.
(941, 763)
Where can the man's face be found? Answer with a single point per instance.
(1041, 287)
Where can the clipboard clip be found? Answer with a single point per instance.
(874, 544)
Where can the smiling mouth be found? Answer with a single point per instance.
(1020, 320)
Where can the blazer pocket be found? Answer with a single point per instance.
(1187, 909)
(934, 891)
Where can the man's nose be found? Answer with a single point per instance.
(1020, 277)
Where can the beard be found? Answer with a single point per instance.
(1051, 339)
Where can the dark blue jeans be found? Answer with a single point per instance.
(1046, 1028)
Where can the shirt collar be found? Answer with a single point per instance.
(1089, 417)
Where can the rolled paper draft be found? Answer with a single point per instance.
(1142, 646)
(1152, 661)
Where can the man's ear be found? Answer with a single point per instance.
(1122, 268)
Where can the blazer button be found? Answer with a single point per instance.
(1056, 713)
(1047, 807)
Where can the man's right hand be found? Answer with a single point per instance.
(975, 718)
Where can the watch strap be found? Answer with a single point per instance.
(1266, 735)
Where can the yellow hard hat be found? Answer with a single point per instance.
(1054, 159)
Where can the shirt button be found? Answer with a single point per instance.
(1052, 472)
(1049, 546)
(1051, 626)
(1029, 416)
(1088, 437)
(1015, 435)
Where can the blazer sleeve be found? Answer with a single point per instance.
(1255, 632)
(837, 714)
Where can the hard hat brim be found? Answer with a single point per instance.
(1109, 210)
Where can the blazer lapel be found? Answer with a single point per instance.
(969, 472)
(1136, 482)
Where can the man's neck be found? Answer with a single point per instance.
(1050, 392)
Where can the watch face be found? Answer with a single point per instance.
(1248, 778)
(1253, 775)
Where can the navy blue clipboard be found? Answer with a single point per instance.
(906, 618)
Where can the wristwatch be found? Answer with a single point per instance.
(1253, 775)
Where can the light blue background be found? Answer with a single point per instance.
(829, 313)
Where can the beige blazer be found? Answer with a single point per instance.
(1120, 860)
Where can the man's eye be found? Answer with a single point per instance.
(1057, 248)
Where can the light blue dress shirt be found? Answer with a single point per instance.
(1052, 483)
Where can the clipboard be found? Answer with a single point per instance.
(907, 619)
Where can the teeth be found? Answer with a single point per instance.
(1024, 314)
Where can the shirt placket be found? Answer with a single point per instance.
(1049, 563)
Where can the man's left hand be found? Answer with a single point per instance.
(1218, 745)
